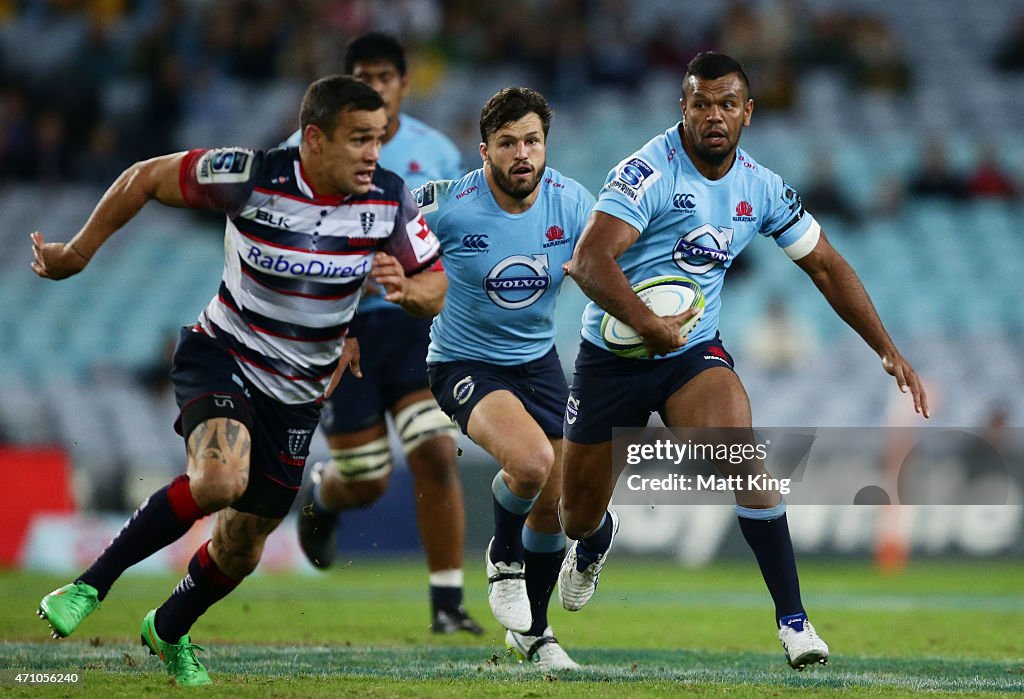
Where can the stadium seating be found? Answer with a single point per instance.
(945, 276)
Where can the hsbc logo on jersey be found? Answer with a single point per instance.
(424, 242)
(702, 248)
(518, 281)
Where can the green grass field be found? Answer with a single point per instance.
(947, 628)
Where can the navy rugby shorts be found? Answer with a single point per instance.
(209, 384)
(609, 391)
(393, 349)
(540, 385)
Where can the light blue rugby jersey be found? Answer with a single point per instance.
(418, 153)
(504, 270)
(694, 227)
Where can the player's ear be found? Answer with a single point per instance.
(405, 86)
(313, 136)
(483, 151)
(748, 109)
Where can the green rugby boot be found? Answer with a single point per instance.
(64, 608)
(179, 658)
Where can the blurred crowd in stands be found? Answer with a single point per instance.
(89, 86)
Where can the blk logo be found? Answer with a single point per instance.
(270, 219)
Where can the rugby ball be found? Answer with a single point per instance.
(666, 296)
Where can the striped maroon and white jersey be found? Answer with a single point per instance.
(295, 261)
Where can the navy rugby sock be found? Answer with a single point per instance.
(543, 554)
(510, 513)
(772, 546)
(594, 544)
(203, 585)
(163, 518)
(443, 597)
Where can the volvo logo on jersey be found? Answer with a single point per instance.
(518, 281)
(702, 248)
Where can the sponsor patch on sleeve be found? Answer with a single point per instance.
(426, 197)
(633, 177)
(424, 242)
(224, 166)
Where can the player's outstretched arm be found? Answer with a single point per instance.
(156, 178)
(841, 286)
(594, 268)
(421, 294)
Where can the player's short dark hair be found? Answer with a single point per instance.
(327, 98)
(512, 104)
(375, 46)
(709, 65)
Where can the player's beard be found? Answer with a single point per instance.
(715, 157)
(517, 190)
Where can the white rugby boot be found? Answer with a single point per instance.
(576, 587)
(544, 651)
(506, 593)
(801, 642)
